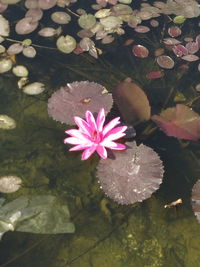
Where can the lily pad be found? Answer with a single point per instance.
(132, 102)
(180, 121)
(76, 98)
(132, 176)
(86, 21)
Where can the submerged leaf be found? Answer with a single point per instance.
(132, 102)
(180, 121)
(38, 214)
(132, 176)
(196, 200)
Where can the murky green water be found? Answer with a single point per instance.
(141, 235)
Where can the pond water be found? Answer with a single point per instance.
(60, 216)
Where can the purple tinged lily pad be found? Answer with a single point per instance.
(132, 176)
(154, 23)
(165, 62)
(195, 199)
(174, 31)
(180, 50)
(192, 47)
(140, 51)
(142, 29)
(179, 121)
(155, 74)
(76, 98)
(198, 40)
(190, 58)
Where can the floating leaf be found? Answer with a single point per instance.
(142, 29)
(174, 31)
(196, 200)
(192, 47)
(10, 184)
(37, 214)
(179, 19)
(132, 102)
(180, 121)
(171, 41)
(180, 50)
(165, 62)
(76, 98)
(66, 44)
(132, 176)
(140, 51)
(155, 74)
(190, 58)
(86, 21)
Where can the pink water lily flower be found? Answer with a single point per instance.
(93, 136)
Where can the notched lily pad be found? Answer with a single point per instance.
(39, 214)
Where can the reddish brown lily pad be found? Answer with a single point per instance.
(140, 51)
(155, 74)
(132, 102)
(180, 121)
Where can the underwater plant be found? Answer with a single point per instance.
(93, 136)
(195, 199)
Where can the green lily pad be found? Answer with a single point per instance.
(86, 21)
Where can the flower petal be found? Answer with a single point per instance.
(83, 125)
(78, 134)
(73, 141)
(91, 120)
(115, 133)
(111, 125)
(76, 141)
(88, 152)
(102, 152)
(78, 147)
(113, 145)
(100, 120)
